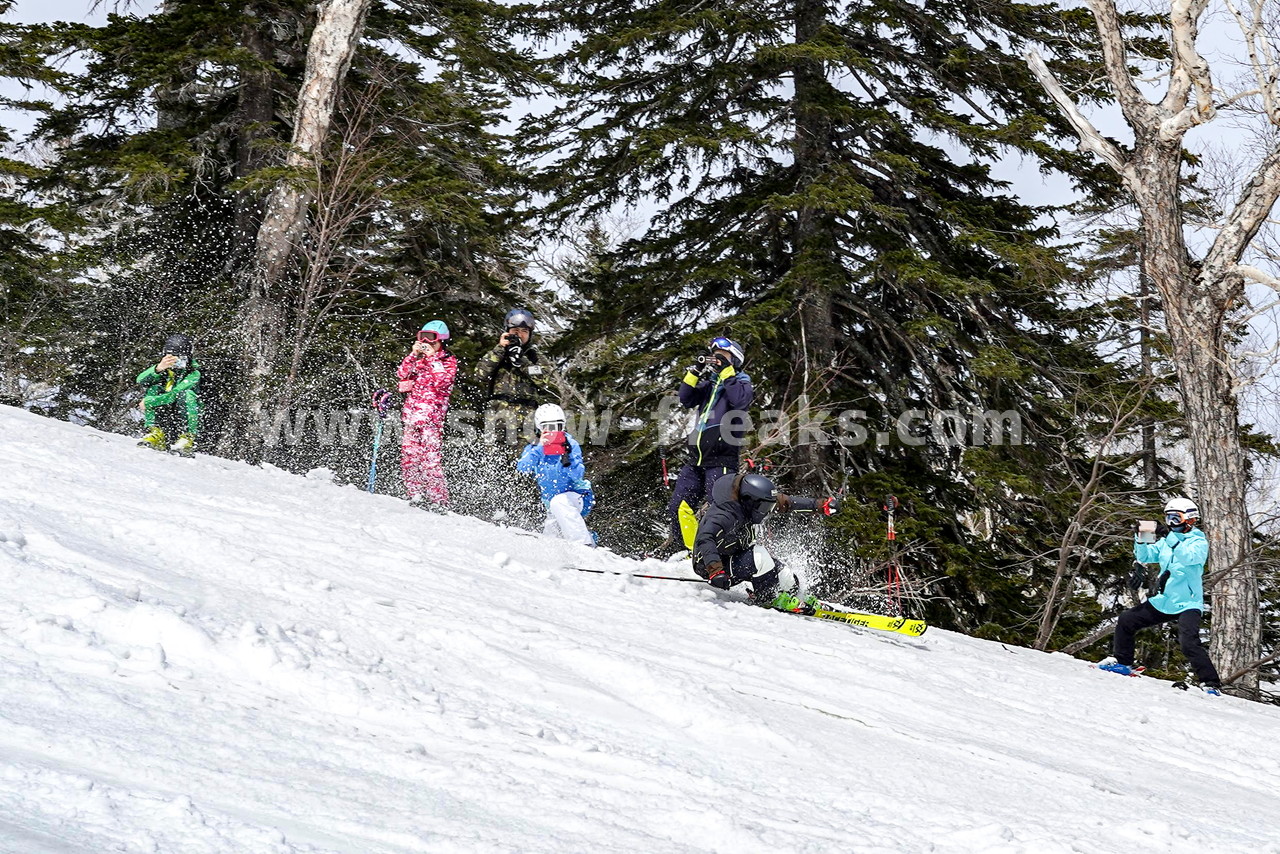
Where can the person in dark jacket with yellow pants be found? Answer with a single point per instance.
(720, 391)
(171, 405)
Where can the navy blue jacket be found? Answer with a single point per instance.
(712, 442)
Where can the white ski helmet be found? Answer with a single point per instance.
(549, 416)
(1185, 506)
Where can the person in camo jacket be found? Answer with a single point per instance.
(511, 379)
(426, 380)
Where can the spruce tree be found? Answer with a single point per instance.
(169, 140)
(34, 286)
(822, 180)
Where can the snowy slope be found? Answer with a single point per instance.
(199, 656)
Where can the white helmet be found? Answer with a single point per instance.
(549, 416)
(1185, 506)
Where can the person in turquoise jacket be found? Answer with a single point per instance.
(1181, 553)
(171, 401)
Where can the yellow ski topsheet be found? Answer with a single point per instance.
(901, 625)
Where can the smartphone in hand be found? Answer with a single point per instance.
(554, 443)
(1146, 531)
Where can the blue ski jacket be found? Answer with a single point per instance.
(1181, 558)
(555, 473)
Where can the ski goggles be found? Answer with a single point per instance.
(730, 347)
(1176, 518)
(431, 336)
(551, 426)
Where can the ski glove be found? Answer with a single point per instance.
(1162, 530)
(718, 578)
(829, 506)
(700, 368)
(1138, 578)
(554, 443)
(382, 400)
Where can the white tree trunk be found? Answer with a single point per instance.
(333, 44)
(1197, 297)
(337, 33)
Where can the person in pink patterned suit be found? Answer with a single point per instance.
(426, 380)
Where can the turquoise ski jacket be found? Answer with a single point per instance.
(1181, 558)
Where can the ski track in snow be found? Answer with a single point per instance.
(199, 656)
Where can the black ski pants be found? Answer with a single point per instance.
(742, 567)
(1144, 617)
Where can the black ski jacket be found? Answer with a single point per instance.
(727, 528)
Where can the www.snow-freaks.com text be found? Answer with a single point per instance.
(667, 422)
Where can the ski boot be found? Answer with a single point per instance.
(185, 446)
(785, 601)
(154, 438)
(1110, 665)
(1213, 689)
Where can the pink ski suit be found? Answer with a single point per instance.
(426, 380)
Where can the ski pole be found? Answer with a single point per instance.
(373, 464)
(637, 574)
(894, 581)
(381, 403)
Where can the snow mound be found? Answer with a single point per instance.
(200, 656)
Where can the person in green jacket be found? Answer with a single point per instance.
(171, 400)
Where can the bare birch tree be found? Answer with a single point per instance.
(339, 27)
(1093, 524)
(1199, 294)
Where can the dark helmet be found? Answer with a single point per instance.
(177, 344)
(736, 354)
(758, 496)
(757, 487)
(519, 318)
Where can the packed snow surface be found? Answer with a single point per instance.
(200, 656)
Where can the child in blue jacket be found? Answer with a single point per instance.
(555, 461)
(1181, 553)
